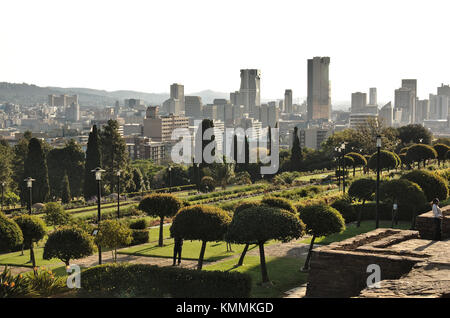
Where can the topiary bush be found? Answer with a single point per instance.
(387, 161)
(68, 243)
(55, 215)
(200, 222)
(432, 184)
(321, 220)
(207, 184)
(344, 206)
(33, 230)
(138, 224)
(142, 280)
(139, 237)
(421, 152)
(160, 205)
(280, 203)
(10, 234)
(363, 190)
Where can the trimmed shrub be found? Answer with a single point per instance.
(345, 208)
(113, 234)
(55, 214)
(139, 224)
(421, 152)
(141, 280)
(10, 234)
(387, 161)
(280, 203)
(33, 230)
(139, 237)
(432, 184)
(207, 184)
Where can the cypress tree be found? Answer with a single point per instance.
(93, 160)
(206, 124)
(65, 190)
(269, 141)
(36, 168)
(296, 153)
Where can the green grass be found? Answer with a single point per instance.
(283, 273)
(16, 259)
(351, 230)
(191, 250)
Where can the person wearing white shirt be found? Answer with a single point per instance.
(437, 214)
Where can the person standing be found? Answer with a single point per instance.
(437, 214)
(177, 250)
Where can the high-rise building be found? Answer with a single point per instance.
(373, 96)
(73, 112)
(288, 101)
(444, 90)
(422, 110)
(386, 115)
(133, 103)
(235, 99)
(177, 92)
(319, 99)
(313, 137)
(62, 100)
(405, 100)
(193, 106)
(359, 102)
(160, 128)
(438, 106)
(173, 106)
(250, 90)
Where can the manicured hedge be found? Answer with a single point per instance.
(385, 211)
(138, 224)
(139, 237)
(142, 280)
(345, 207)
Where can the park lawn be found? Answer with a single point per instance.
(16, 259)
(283, 272)
(351, 230)
(191, 250)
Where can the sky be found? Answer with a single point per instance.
(147, 45)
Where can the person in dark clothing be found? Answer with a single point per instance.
(177, 250)
(437, 213)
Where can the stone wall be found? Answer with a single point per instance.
(425, 224)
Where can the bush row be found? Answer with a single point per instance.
(141, 280)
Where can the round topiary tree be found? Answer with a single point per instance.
(363, 190)
(404, 160)
(200, 222)
(262, 223)
(358, 160)
(421, 152)
(387, 161)
(68, 243)
(344, 206)
(431, 184)
(207, 184)
(33, 230)
(55, 215)
(280, 203)
(10, 234)
(320, 220)
(160, 205)
(441, 150)
(348, 161)
(113, 234)
(405, 193)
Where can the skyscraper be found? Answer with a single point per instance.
(250, 90)
(193, 106)
(405, 100)
(359, 102)
(177, 92)
(319, 99)
(373, 96)
(288, 101)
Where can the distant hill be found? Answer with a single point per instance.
(29, 94)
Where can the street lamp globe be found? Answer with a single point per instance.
(378, 141)
(98, 173)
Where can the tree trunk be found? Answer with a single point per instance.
(202, 255)
(161, 231)
(413, 221)
(306, 266)
(354, 169)
(33, 259)
(241, 259)
(358, 224)
(262, 258)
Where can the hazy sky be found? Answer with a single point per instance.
(147, 45)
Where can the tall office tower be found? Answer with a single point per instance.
(422, 110)
(73, 112)
(359, 102)
(193, 107)
(177, 92)
(133, 103)
(250, 90)
(234, 98)
(281, 105)
(173, 106)
(438, 106)
(62, 100)
(405, 100)
(412, 85)
(373, 96)
(319, 99)
(386, 115)
(444, 90)
(160, 128)
(288, 101)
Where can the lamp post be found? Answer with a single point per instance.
(377, 219)
(29, 182)
(338, 150)
(118, 193)
(98, 177)
(170, 178)
(343, 167)
(3, 190)
(198, 176)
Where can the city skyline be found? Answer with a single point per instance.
(124, 48)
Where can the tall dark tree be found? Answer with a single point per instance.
(137, 180)
(269, 141)
(93, 160)
(206, 124)
(114, 152)
(18, 163)
(36, 168)
(414, 133)
(296, 154)
(65, 190)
